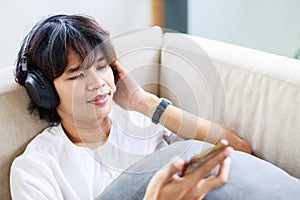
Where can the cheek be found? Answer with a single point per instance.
(65, 91)
(58, 88)
(110, 80)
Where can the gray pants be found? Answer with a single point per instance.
(249, 178)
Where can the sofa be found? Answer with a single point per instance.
(251, 92)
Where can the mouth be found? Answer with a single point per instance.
(100, 99)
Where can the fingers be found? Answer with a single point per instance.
(212, 182)
(164, 183)
(118, 70)
(246, 147)
(167, 173)
(221, 177)
(224, 169)
(117, 65)
(209, 165)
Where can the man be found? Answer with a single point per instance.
(69, 70)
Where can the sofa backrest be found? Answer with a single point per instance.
(17, 127)
(138, 50)
(256, 94)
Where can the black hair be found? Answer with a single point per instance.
(50, 41)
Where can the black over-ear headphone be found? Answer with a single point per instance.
(38, 87)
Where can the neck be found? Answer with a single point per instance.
(87, 135)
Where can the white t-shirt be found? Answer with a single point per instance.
(52, 167)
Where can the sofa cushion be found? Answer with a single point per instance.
(139, 52)
(252, 92)
(17, 126)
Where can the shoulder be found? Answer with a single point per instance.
(34, 166)
(47, 137)
(32, 176)
(47, 143)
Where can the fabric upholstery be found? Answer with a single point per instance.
(139, 53)
(17, 127)
(252, 92)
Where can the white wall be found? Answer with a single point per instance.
(268, 25)
(17, 18)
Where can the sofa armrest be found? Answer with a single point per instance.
(254, 93)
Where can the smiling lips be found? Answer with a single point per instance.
(100, 99)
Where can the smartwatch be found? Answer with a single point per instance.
(160, 109)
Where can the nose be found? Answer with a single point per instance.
(95, 81)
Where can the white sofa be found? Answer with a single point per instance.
(252, 92)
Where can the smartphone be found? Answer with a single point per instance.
(198, 159)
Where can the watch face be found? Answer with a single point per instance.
(164, 103)
(167, 100)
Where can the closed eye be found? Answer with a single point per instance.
(80, 75)
(99, 68)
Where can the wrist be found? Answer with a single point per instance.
(160, 109)
(148, 105)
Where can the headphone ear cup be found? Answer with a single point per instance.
(40, 90)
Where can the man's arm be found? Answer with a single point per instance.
(190, 126)
(130, 96)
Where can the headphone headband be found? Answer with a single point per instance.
(31, 34)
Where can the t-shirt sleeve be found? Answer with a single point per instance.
(168, 136)
(171, 137)
(30, 179)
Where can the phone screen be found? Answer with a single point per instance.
(198, 159)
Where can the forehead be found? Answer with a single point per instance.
(74, 61)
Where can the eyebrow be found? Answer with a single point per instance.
(75, 69)
(100, 59)
(72, 70)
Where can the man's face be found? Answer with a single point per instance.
(85, 92)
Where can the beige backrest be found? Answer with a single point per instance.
(17, 127)
(257, 94)
(139, 51)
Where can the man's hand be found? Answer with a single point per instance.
(235, 141)
(166, 184)
(128, 94)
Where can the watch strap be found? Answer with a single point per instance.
(159, 110)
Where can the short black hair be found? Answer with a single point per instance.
(51, 39)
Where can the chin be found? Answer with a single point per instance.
(102, 112)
